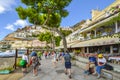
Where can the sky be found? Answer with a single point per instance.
(78, 10)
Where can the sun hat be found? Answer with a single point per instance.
(100, 55)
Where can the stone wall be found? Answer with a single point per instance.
(6, 62)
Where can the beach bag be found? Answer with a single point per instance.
(22, 62)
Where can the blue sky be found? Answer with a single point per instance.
(78, 10)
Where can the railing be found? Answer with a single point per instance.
(97, 21)
(101, 36)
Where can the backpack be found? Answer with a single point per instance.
(108, 67)
(67, 58)
(35, 60)
(22, 63)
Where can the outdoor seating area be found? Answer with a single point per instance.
(111, 58)
(114, 59)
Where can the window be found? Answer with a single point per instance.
(115, 48)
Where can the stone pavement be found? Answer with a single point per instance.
(48, 72)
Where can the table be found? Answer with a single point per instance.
(114, 59)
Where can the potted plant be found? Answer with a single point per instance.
(77, 52)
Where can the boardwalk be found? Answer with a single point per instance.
(48, 72)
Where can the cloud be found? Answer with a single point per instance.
(10, 27)
(1, 9)
(17, 23)
(6, 5)
(21, 23)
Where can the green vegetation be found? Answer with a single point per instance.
(35, 35)
(57, 40)
(45, 37)
(47, 13)
(48, 36)
(66, 32)
(77, 52)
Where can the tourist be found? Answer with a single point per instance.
(60, 55)
(93, 63)
(90, 66)
(49, 54)
(67, 60)
(25, 62)
(46, 54)
(54, 59)
(101, 61)
(35, 63)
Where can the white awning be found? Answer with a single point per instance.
(97, 42)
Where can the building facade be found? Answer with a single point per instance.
(101, 34)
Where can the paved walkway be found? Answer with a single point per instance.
(48, 72)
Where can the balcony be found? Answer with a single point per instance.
(104, 40)
(100, 21)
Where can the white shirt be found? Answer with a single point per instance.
(102, 60)
(25, 57)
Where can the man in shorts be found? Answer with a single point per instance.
(67, 59)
